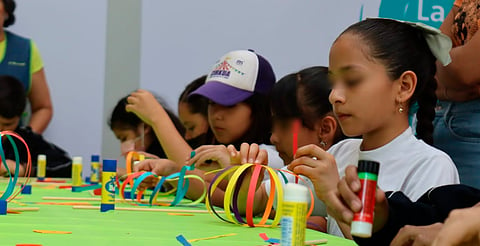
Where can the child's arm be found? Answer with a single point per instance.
(165, 167)
(147, 108)
(11, 167)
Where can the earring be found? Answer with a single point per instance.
(400, 108)
(323, 143)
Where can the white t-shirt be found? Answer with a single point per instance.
(274, 160)
(406, 164)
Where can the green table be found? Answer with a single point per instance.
(91, 227)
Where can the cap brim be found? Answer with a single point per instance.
(221, 93)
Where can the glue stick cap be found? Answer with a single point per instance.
(368, 166)
(42, 157)
(109, 165)
(95, 158)
(295, 193)
(361, 229)
(77, 160)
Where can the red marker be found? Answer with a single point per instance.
(295, 129)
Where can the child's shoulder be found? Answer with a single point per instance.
(351, 144)
(427, 152)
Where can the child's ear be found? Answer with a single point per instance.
(147, 129)
(326, 129)
(406, 86)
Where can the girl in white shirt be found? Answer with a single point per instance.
(378, 68)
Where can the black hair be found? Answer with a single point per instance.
(9, 6)
(122, 119)
(303, 95)
(196, 104)
(261, 125)
(313, 91)
(283, 94)
(401, 47)
(12, 97)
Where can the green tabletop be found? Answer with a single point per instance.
(91, 227)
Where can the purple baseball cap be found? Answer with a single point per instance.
(237, 76)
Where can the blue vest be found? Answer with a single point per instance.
(16, 61)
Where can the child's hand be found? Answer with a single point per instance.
(160, 167)
(462, 227)
(11, 166)
(418, 235)
(346, 202)
(145, 106)
(320, 167)
(212, 157)
(252, 154)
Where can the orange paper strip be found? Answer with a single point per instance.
(52, 232)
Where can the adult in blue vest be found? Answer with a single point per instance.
(19, 57)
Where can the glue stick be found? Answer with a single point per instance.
(94, 169)
(77, 171)
(294, 215)
(109, 174)
(41, 167)
(363, 221)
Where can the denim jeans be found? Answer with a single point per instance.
(457, 132)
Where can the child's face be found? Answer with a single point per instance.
(229, 124)
(363, 96)
(195, 124)
(9, 124)
(130, 139)
(282, 138)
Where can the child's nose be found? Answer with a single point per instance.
(336, 96)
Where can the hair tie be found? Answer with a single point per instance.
(439, 43)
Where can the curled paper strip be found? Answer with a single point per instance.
(10, 192)
(182, 187)
(237, 174)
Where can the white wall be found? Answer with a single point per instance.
(71, 38)
(180, 41)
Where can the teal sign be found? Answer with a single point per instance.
(430, 12)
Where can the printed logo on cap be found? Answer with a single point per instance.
(224, 69)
